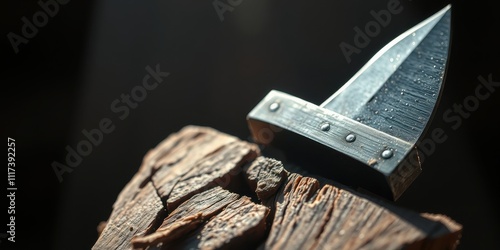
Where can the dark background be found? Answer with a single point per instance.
(90, 52)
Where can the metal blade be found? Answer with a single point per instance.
(397, 90)
(371, 126)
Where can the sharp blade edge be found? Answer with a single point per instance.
(397, 90)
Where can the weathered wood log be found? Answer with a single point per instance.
(202, 189)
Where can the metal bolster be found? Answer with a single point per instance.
(396, 159)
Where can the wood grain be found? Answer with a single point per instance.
(310, 216)
(203, 189)
(134, 217)
(187, 217)
(241, 225)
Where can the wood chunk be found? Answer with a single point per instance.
(293, 207)
(241, 225)
(166, 164)
(215, 169)
(172, 166)
(308, 217)
(265, 175)
(188, 216)
(166, 151)
(133, 218)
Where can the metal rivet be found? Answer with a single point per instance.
(274, 106)
(325, 126)
(372, 162)
(350, 137)
(386, 154)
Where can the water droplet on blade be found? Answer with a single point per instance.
(386, 154)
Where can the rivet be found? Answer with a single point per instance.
(274, 106)
(386, 154)
(372, 162)
(350, 137)
(325, 126)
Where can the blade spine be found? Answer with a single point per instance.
(276, 94)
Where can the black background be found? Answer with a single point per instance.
(90, 52)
